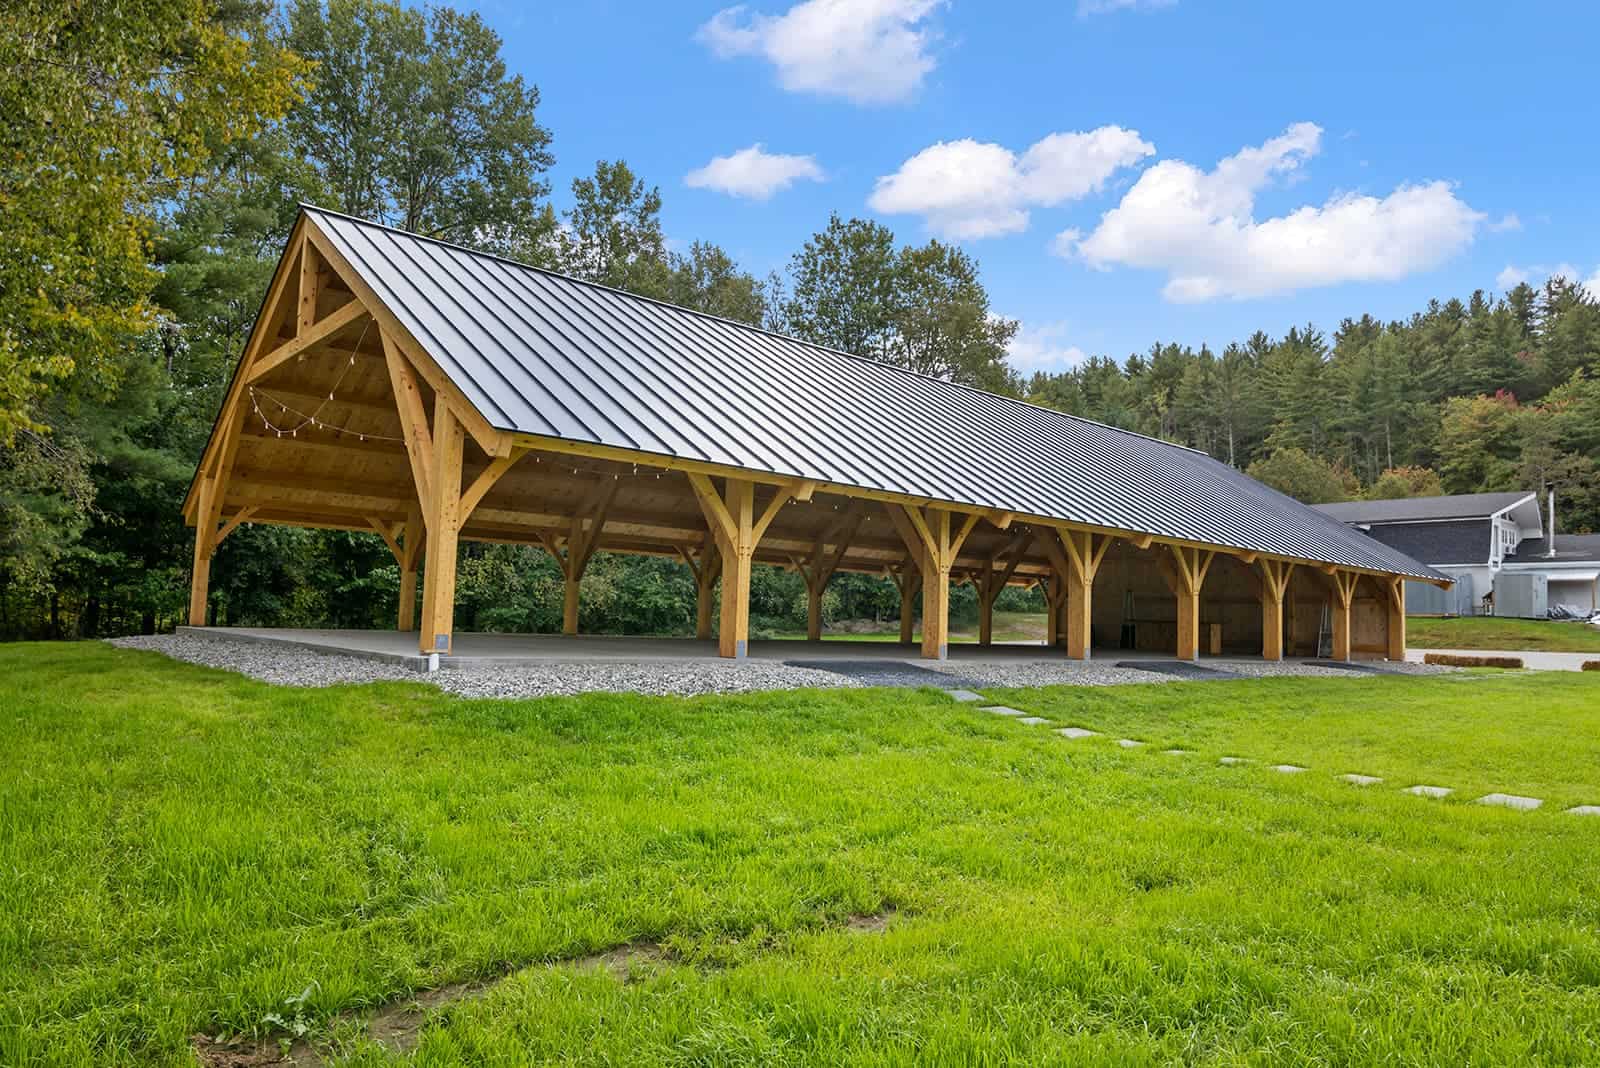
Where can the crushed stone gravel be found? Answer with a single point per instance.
(302, 667)
(287, 666)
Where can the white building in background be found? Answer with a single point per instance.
(1497, 546)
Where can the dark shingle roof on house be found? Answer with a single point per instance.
(543, 354)
(1580, 548)
(1455, 541)
(1416, 509)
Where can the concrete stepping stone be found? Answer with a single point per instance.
(1361, 780)
(1176, 752)
(1521, 804)
(1584, 810)
(1430, 791)
(1129, 743)
(964, 695)
(1003, 710)
(1033, 721)
(1232, 761)
(1288, 769)
(1077, 732)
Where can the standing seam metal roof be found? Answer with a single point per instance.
(541, 353)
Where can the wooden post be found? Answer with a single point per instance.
(199, 583)
(439, 582)
(704, 566)
(1344, 591)
(907, 579)
(1075, 556)
(200, 574)
(1395, 606)
(1053, 614)
(1186, 576)
(827, 552)
(733, 641)
(733, 522)
(411, 552)
(936, 590)
(935, 548)
(1275, 575)
(993, 579)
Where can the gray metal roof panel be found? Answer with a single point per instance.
(540, 353)
(1415, 509)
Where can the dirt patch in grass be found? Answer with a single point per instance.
(397, 1027)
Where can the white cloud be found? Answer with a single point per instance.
(870, 51)
(753, 172)
(1106, 7)
(1538, 273)
(1043, 348)
(1199, 228)
(971, 189)
(1507, 223)
(1511, 277)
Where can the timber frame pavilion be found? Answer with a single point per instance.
(429, 394)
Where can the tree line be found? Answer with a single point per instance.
(153, 162)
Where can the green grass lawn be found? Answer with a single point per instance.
(182, 850)
(1487, 632)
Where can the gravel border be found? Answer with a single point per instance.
(285, 666)
(290, 666)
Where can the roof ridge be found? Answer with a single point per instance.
(1057, 413)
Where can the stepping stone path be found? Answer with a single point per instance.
(964, 695)
(1516, 801)
(1521, 804)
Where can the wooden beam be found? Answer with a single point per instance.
(492, 441)
(486, 480)
(308, 337)
(716, 512)
(388, 534)
(413, 418)
(243, 515)
(310, 288)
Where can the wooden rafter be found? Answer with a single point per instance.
(310, 335)
(493, 442)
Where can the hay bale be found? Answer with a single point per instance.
(1454, 660)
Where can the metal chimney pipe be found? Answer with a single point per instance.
(1550, 546)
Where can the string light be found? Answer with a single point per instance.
(314, 418)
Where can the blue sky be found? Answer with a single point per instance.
(1376, 155)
